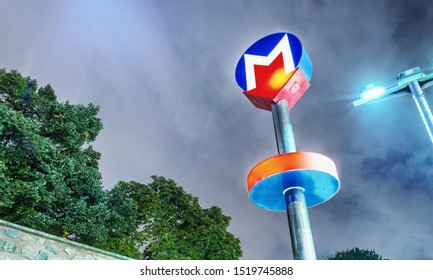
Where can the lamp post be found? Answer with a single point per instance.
(412, 81)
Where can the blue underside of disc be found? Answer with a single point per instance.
(318, 187)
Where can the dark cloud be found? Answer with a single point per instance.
(407, 171)
(163, 73)
(409, 33)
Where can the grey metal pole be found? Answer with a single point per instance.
(297, 212)
(423, 108)
(283, 127)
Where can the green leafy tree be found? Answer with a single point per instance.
(50, 181)
(49, 173)
(173, 225)
(356, 254)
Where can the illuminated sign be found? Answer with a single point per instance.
(275, 67)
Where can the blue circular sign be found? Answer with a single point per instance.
(265, 51)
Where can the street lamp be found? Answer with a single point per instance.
(412, 81)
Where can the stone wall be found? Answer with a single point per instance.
(21, 243)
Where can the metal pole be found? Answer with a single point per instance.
(423, 108)
(283, 127)
(297, 213)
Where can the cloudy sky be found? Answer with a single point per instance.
(162, 72)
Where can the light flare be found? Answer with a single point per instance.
(279, 78)
(373, 93)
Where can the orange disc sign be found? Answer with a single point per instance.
(315, 173)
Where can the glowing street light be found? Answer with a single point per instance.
(372, 91)
(412, 81)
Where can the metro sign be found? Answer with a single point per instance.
(275, 67)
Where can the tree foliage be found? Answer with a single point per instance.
(49, 173)
(173, 225)
(50, 181)
(356, 254)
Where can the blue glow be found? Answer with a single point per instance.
(373, 93)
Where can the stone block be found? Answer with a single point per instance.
(8, 246)
(40, 241)
(70, 251)
(52, 249)
(29, 252)
(10, 233)
(42, 255)
(28, 238)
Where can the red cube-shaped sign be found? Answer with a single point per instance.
(291, 91)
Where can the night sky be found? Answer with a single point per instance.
(162, 73)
